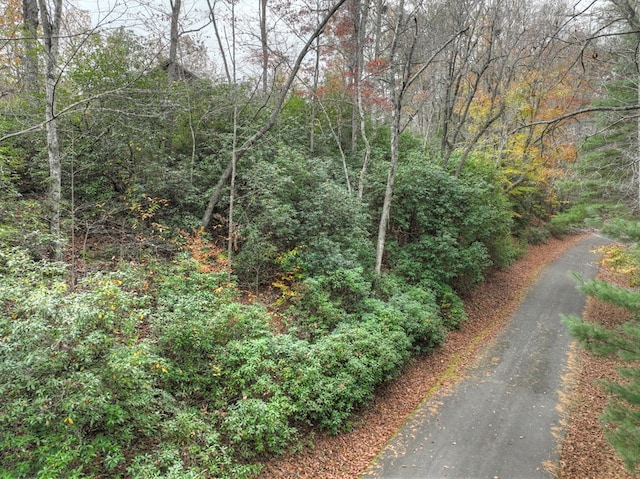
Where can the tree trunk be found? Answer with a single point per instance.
(398, 93)
(51, 34)
(393, 166)
(264, 45)
(173, 42)
(400, 80)
(314, 99)
(212, 16)
(30, 22)
(367, 147)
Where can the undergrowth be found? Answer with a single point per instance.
(161, 369)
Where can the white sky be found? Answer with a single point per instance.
(151, 17)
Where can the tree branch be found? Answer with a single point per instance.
(573, 114)
(206, 219)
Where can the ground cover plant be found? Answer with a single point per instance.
(158, 370)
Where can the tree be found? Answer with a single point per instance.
(242, 150)
(51, 19)
(30, 58)
(629, 12)
(264, 46)
(176, 5)
(402, 75)
(622, 415)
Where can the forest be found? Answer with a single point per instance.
(224, 225)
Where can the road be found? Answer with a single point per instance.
(501, 421)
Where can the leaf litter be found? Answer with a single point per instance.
(584, 454)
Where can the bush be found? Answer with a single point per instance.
(195, 318)
(414, 312)
(446, 229)
(289, 200)
(320, 303)
(355, 359)
(83, 386)
(78, 390)
(584, 215)
(451, 306)
(256, 426)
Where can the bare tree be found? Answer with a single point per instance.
(213, 17)
(264, 46)
(176, 5)
(403, 73)
(51, 18)
(31, 22)
(242, 150)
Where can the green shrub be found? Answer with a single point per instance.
(289, 200)
(256, 426)
(322, 302)
(355, 359)
(535, 235)
(314, 313)
(445, 229)
(414, 312)
(449, 303)
(83, 386)
(78, 390)
(585, 215)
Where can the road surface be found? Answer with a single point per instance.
(502, 420)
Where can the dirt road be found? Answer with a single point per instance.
(502, 420)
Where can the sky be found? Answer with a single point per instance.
(151, 17)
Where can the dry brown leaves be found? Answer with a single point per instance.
(347, 456)
(585, 454)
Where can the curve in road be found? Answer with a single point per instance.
(502, 420)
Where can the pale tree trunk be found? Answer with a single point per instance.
(367, 147)
(234, 149)
(393, 166)
(397, 92)
(355, 72)
(30, 22)
(264, 46)
(314, 99)
(51, 34)
(214, 22)
(316, 80)
(335, 132)
(233, 233)
(362, 19)
(173, 41)
(400, 79)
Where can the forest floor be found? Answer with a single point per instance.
(584, 454)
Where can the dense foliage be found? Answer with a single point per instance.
(157, 370)
(163, 345)
(148, 356)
